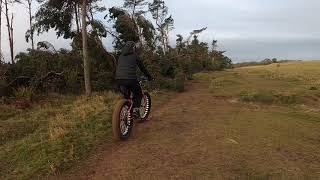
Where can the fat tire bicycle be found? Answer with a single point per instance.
(122, 118)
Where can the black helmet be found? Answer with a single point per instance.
(129, 48)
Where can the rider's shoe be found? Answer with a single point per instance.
(136, 113)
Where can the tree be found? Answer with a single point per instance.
(195, 32)
(124, 26)
(134, 7)
(85, 48)
(274, 60)
(195, 40)
(131, 28)
(30, 31)
(62, 16)
(164, 22)
(9, 20)
(57, 15)
(146, 32)
(143, 27)
(220, 61)
(214, 44)
(179, 42)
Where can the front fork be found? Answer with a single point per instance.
(130, 111)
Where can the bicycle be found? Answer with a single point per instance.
(122, 118)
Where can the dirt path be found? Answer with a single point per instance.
(194, 137)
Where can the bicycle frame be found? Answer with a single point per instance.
(131, 100)
(122, 125)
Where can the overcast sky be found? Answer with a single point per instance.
(246, 29)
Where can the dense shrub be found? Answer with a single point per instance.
(25, 93)
(220, 61)
(268, 97)
(73, 82)
(60, 71)
(179, 81)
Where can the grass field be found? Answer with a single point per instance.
(259, 122)
(274, 115)
(286, 83)
(54, 133)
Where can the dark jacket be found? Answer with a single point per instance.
(128, 63)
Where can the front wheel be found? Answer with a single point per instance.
(121, 124)
(145, 108)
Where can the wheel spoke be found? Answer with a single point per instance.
(124, 127)
(144, 108)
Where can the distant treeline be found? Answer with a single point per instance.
(259, 63)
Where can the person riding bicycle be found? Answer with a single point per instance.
(126, 75)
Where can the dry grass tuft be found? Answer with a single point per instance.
(59, 127)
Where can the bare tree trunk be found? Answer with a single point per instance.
(161, 32)
(11, 40)
(85, 49)
(135, 23)
(167, 38)
(133, 12)
(77, 17)
(91, 12)
(9, 28)
(30, 23)
(1, 55)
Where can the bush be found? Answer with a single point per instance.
(247, 96)
(263, 97)
(221, 61)
(37, 64)
(25, 93)
(3, 70)
(3, 83)
(168, 68)
(165, 83)
(287, 99)
(313, 88)
(268, 97)
(179, 81)
(74, 84)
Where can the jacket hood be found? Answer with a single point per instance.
(128, 48)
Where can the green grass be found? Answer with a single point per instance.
(285, 83)
(275, 116)
(55, 133)
(268, 97)
(277, 106)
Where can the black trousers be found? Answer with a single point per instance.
(126, 86)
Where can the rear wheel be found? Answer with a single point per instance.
(145, 108)
(121, 124)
